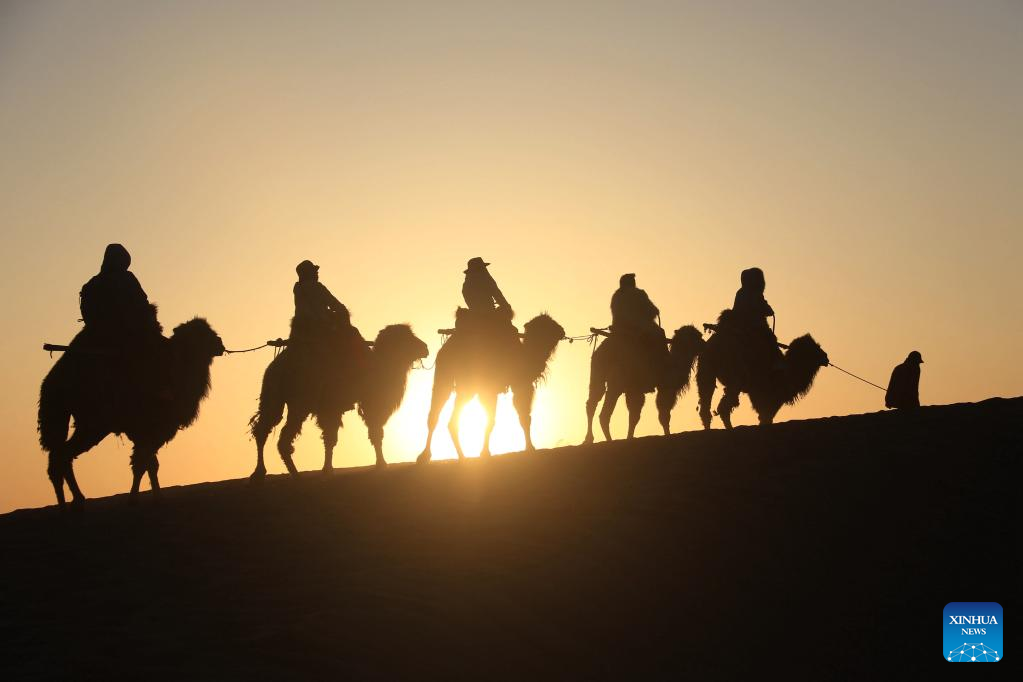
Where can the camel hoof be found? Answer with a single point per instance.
(257, 476)
(327, 471)
(423, 458)
(381, 464)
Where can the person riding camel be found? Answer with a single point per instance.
(114, 307)
(747, 320)
(487, 311)
(322, 324)
(631, 308)
(480, 289)
(316, 309)
(635, 319)
(751, 309)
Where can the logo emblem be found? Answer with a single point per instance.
(972, 632)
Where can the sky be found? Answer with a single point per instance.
(868, 156)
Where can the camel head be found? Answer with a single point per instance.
(197, 339)
(803, 360)
(397, 342)
(543, 332)
(805, 353)
(687, 341)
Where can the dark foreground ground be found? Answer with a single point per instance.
(808, 550)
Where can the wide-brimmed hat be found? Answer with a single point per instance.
(306, 266)
(476, 263)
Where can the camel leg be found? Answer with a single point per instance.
(767, 416)
(461, 400)
(142, 458)
(437, 401)
(665, 401)
(61, 463)
(610, 401)
(56, 468)
(596, 393)
(729, 401)
(489, 403)
(152, 469)
(72, 484)
(523, 402)
(634, 402)
(330, 425)
(664, 416)
(266, 419)
(706, 383)
(376, 437)
(289, 432)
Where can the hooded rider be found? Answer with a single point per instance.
(113, 303)
(631, 308)
(751, 309)
(634, 318)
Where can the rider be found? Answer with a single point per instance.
(748, 320)
(114, 307)
(316, 308)
(480, 290)
(489, 312)
(631, 308)
(634, 317)
(322, 323)
(751, 309)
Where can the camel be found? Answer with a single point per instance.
(148, 398)
(612, 375)
(780, 380)
(307, 389)
(461, 369)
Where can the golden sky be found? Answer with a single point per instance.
(866, 155)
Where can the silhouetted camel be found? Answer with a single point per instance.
(326, 393)
(461, 369)
(613, 373)
(769, 383)
(148, 399)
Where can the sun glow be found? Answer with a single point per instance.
(507, 435)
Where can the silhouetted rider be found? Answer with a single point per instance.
(113, 303)
(632, 309)
(751, 309)
(315, 306)
(904, 386)
(480, 290)
(746, 322)
(634, 321)
(487, 318)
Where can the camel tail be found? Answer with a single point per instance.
(271, 400)
(599, 370)
(685, 348)
(54, 412)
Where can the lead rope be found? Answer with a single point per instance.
(871, 383)
(248, 350)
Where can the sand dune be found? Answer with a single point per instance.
(825, 547)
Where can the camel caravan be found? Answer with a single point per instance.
(121, 375)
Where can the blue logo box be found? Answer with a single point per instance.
(972, 632)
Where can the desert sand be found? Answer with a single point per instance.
(822, 548)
